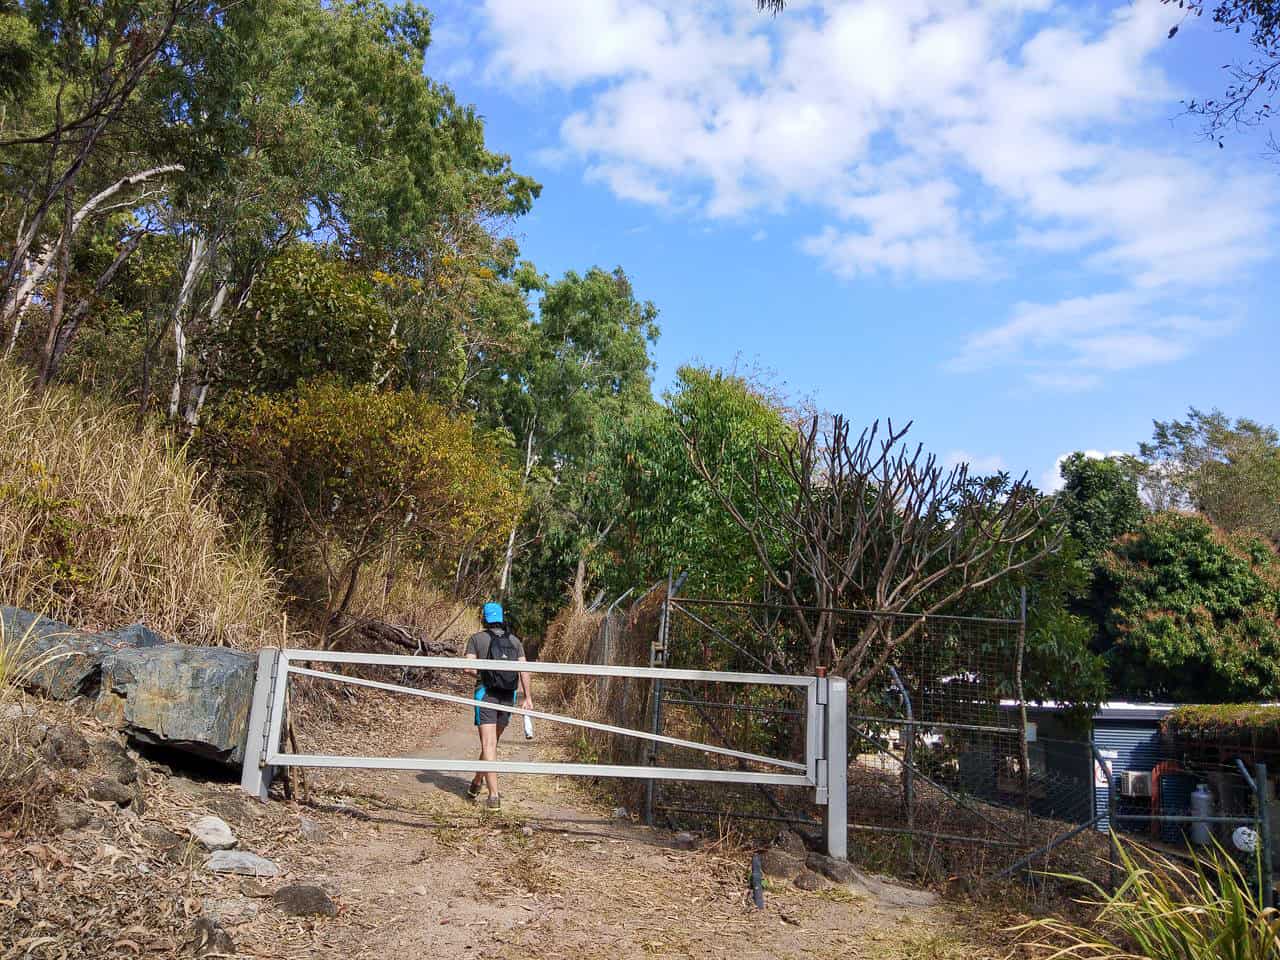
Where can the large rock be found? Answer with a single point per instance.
(841, 871)
(305, 900)
(213, 833)
(193, 699)
(778, 863)
(66, 662)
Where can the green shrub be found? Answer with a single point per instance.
(1191, 614)
(1165, 911)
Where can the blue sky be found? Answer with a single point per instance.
(988, 216)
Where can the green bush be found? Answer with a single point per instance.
(1164, 911)
(1191, 614)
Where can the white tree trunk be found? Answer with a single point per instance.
(504, 580)
(197, 396)
(195, 266)
(35, 275)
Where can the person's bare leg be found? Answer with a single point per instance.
(489, 751)
(479, 777)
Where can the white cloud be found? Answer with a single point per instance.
(978, 465)
(1051, 479)
(938, 139)
(1070, 344)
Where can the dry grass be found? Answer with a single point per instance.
(25, 792)
(408, 594)
(102, 525)
(570, 638)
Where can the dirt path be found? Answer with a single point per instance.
(420, 870)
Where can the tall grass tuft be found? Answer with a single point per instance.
(1211, 910)
(25, 796)
(101, 524)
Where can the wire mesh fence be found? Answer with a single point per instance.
(946, 777)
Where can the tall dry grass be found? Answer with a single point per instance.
(572, 637)
(408, 594)
(102, 525)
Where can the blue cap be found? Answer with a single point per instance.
(492, 613)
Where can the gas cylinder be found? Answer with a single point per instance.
(1201, 806)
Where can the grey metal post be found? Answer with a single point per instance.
(657, 658)
(908, 737)
(837, 761)
(1112, 827)
(1024, 753)
(256, 776)
(1264, 831)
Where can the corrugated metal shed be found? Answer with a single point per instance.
(1129, 744)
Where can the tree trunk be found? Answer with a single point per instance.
(71, 326)
(37, 269)
(578, 593)
(195, 266)
(504, 580)
(59, 303)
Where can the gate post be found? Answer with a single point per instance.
(256, 776)
(837, 761)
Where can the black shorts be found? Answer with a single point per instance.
(500, 717)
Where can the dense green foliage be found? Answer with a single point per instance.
(1101, 501)
(205, 207)
(306, 317)
(1191, 613)
(669, 519)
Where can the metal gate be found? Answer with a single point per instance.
(824, 769)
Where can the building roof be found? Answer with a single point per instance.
(1112, 710)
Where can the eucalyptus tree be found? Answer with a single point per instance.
(80, 129)
(582, 361)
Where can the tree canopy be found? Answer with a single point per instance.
(1228, 470)
(1191, 613)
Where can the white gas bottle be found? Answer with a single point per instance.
(1201, 806)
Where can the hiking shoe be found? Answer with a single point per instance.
(493, 804)
(473, 792)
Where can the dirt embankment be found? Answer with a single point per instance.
(402, 863)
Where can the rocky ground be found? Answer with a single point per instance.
(120, 855)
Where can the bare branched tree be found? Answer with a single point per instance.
(844, 521)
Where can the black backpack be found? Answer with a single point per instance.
(501, 647)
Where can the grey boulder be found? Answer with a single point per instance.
(193, 699)
(305, 900)
(65, 662)
(778, 863)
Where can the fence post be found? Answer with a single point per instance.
(837, 761)
(657, 658)
(256, 776)
(1264, 830)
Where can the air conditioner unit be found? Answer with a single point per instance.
(1135, 783)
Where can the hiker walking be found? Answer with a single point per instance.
(495, 642)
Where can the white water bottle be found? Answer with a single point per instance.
(528, 728)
